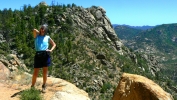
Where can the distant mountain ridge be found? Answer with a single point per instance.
(162, 36)
(145, 27)
(125, 32)
(160, 41)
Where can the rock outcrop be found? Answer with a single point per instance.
(95, 21)
(9, 65)
(12, 62)
(4, 72)
(57, 89)
(136, 87)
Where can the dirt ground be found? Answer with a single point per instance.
(11, 91)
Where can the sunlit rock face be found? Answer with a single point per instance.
(136, 87)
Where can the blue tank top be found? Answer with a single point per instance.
(42, 42)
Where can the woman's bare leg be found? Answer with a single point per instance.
(45, 70)
(35, 74)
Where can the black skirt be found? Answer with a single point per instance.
(42, 59)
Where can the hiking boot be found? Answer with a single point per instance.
(43, 88)
(32, 87)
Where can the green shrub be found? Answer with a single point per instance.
(31, 94)
(2, 52)
(106, 86)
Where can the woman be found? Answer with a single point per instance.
(42, 56)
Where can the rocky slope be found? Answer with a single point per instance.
(14, 82)
(130, 86)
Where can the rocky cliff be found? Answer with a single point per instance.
(95, 22)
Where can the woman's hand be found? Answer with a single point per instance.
(49, 50)
(35, 32)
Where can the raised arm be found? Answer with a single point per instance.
(35, 32)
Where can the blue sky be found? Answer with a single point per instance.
(129, 12)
